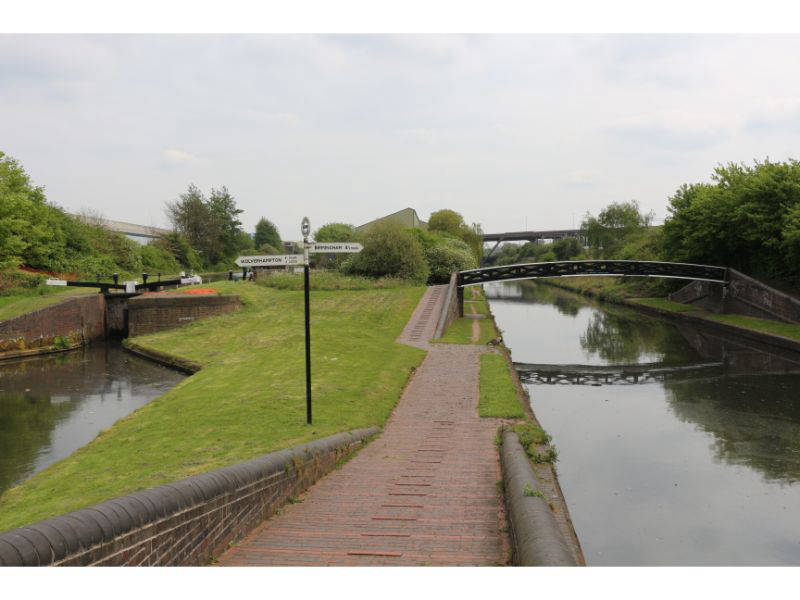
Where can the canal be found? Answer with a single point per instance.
(52, 405)
(676, 446)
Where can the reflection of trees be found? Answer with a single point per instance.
(38, 393)
(26, 424)
(621, 336)
(755, 419)
(529, 292)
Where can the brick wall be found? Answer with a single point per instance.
(156, 313)
(81, 319)
(744, 295)
(184, 523)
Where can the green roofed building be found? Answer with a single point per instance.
(406, 218)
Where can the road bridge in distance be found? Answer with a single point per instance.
(532, 236)
(140, 233)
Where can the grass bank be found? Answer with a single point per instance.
(629, 292)
(19, 303)
(786, 330)
(249, 397)
(498, 394)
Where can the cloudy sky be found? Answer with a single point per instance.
(508, 130)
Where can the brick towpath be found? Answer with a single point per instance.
(423, 493)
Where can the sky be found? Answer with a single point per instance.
(512, 131)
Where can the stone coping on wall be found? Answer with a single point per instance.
(535, 535)
(187, 522)
(163, 358)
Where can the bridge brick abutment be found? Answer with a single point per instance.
(742, 295)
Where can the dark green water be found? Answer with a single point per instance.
(52, 405)
(672, 468)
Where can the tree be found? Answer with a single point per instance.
(567, 248)
(451, 223)
(747, 219)
(226, 228)
(446, 220)
(211, 225)
(267, 233)
(333, 232)
(25, 219)
(606, 233)
(177, 245)
(389, 251)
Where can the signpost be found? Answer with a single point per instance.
(318, 248)
(271, 260)
(335, 247)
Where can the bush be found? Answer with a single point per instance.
(268, 249)
(12, 281)
(180, 248)
(333, 232)
(389, 251)
(443, 260)
(157, 259)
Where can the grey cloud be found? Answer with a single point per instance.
(349, 127)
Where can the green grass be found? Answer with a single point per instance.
(329, 280)
(531, 436)
(607, 289)
(614, 288)
(249, 399)
(787, 330)
(14, 305)
(665, 304)
(476, 307)
(460, 332)
(498, 394)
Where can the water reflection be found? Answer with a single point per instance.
(695, 467)
(52, 405)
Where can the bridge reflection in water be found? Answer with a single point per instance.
(613, 374)
(688, 450)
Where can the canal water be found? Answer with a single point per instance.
(52, 405)
(676, 445)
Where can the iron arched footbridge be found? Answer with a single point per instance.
(576, 268)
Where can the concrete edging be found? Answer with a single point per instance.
(182, 523)
(168, 360)
(535, 536)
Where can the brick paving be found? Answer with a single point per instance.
(423, 493)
